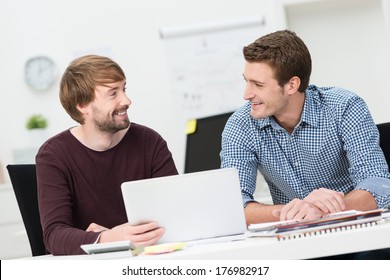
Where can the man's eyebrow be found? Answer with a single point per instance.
(252, 80)
(110, 88)
(115, 87)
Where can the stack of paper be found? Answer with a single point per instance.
(335, 220)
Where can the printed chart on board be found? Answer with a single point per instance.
(206, 64)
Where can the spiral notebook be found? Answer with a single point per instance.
(347, 220)
(327, 231)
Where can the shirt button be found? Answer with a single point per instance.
(296, 163)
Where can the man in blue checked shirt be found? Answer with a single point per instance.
(317, 147)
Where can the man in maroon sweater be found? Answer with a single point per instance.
(81, 169)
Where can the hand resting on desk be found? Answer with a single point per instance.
(298, 209)
(328, 201)
(323, 201)
(318, 203)
(139, 235)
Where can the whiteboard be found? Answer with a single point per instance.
(206, 63)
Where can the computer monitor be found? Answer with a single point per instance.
(204, 143)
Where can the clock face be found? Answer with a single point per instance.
(40, 72)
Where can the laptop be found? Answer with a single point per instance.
(192, 206)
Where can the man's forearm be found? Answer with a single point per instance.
(360, 200)
(261, 213)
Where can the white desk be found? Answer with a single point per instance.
(363, 239)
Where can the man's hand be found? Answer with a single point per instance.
(328, 201)
(140, 235)
(298, 209)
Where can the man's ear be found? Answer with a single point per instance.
(293, 85)
(82, 108)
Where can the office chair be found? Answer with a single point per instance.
(384, 140)
(24, 183)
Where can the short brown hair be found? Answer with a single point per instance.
(286, 53)
(80, 79)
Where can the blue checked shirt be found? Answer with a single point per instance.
(335, 145)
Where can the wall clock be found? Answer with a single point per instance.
(40, 72)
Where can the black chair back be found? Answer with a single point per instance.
(384, 140)
(24, 182)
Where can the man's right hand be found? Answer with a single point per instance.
(327, 200)
(298, 209)
(140, 235)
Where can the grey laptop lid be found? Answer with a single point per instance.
(191, 206)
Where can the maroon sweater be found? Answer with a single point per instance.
(78, 186)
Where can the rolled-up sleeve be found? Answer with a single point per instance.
(379, 189)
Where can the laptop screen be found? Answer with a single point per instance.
(194, 206)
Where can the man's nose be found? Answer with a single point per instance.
(248, 92)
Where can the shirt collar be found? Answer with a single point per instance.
(310, 113)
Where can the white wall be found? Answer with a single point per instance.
(349, 44)
(127, 31)
(348, 38)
